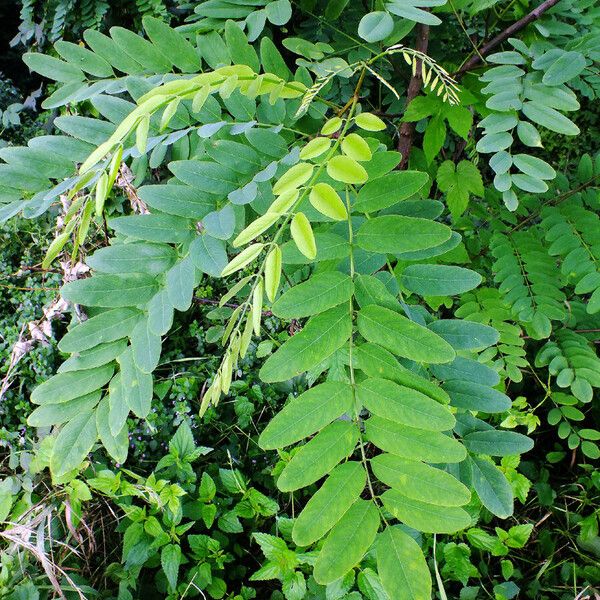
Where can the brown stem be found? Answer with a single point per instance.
(407, 130)
(510, 31)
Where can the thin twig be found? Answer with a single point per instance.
(510, 31)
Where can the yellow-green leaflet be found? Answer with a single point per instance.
(168, 113)
(331, 126)
(401, 566)
(84, 224)
(255, 228)
(408, 476)
(114, 166)
(341, 489)
(321, 337)
(273, 272)
(284, 202)
(413, 443)
(319, 293)
(141, 134)
(422, 516)
(244, 258)
(402, 336)
(327, 201)
(306, 414)
(200, 98)
(404, 405)
(356, 147)
(74, 443)
(101, 192)
(348, 542)
(315, 148)
(56, 246)
(257, 302)
(319, 456)
(346, 170)
(369, 122)
(303, 236)
(293, 178)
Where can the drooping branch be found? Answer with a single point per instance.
(414, 87)
(510, 31)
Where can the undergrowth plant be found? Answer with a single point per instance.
(193, 154)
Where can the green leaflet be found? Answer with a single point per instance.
(412, 443)
(428, 518)
(348, 542)
(208, 255)
(118, 409)
(370, 290)
(549, 118)
(327, 506)
(401, 566)
(497, 443)
(160, 313)
(303, 235)
(439, 280)
(402, 336)
(66, 386)
(139, 257)
(55, 414)
(316, 295)
(153, 228)
(136, 386)
(52, 68)
(329, 247)
(374, 361)
(306, 414)
(409, 477)
(466, 369)
(240, 50)
(108, 326)
(84, 59)
(474, 396)
(356, 147)
(465, 335)
(388, 190)
(111, 291)
(180, 284)
(321, 337)
(328, 202)
(172, 45)
(293, 178)
(403, 405)
(116, 445)
(140, 49)
(346, 170)
(395, 234)
(146, 346)
(73, 443)
(376, 26)
(319, 456)
(178, 200)
(94, 357)
(492, 487)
